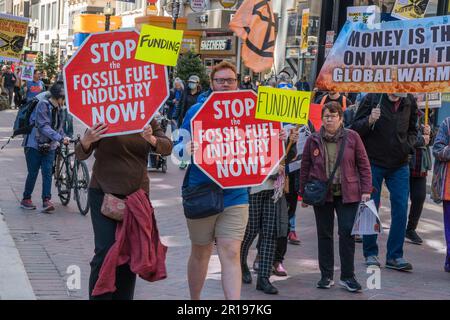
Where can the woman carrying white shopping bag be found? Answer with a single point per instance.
(335, 176)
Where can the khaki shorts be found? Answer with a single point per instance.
(229, 224)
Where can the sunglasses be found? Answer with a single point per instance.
(285, 85)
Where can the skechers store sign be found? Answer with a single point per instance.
(224, 45)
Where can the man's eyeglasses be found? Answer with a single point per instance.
(222, 80)
(331, 116)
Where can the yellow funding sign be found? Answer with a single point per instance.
(13, 30)
(283, 105)
(159, 45)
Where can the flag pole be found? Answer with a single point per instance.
(427, 108)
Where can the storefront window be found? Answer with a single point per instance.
(308, 60)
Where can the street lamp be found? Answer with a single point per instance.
(107, 11)
(175, 12)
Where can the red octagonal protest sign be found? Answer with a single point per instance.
(236, 150)
(104, 83)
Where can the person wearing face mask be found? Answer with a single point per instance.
(190, 97)
(387, 124)
(41, 143)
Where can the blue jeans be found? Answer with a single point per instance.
(35, 161)
(397, 182)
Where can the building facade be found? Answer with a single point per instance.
(6, 6)
(76, 8)
(21, 8)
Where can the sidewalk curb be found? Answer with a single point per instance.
(14, 282)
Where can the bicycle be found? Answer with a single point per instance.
(71, 173)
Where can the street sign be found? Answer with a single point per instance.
(236, 150)
(105, 83)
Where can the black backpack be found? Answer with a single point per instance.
(22, 123)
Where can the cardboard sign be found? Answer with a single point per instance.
(366, 14)
(104, 83)
(27, 71)
(13, 30)
(315, 115)
(283, 105)
(235, 149)
(434, 100)
(409, 56)
(159, 45)
(305, 31)
(410, 9)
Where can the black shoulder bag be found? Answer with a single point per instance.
(201, 201)
(316, 191)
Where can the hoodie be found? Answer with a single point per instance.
(232, 197)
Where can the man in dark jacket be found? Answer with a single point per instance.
(387, 126)
(8, 82)
(303, 85)
(190, 97)
(247, 84)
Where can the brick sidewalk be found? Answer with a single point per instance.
(49, 244)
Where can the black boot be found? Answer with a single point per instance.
(264, 284)
(246, 275)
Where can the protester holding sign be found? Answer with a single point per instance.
(120, 169)
(116, 96)
(397, 56)
(265, 211)
(226, 228)
(293, 164)
(387, 125)
(263, 223)
(336, 156)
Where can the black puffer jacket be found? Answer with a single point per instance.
(392, 138)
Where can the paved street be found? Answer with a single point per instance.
(49, 244)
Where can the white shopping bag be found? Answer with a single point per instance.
(367, 220)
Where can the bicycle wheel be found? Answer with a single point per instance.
(81, 184)
(62, 182)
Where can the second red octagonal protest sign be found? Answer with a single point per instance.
(104, 83)
(236, 150)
